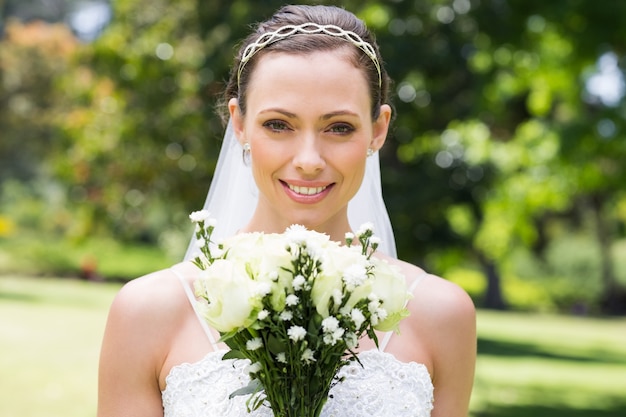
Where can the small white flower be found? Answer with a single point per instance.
(263, 288)
(296, 333)
(372, 306)
(357, 317)
(308, 356)
(296, 234)
(375, 241)
(263, 314)
(354, 276)
(199, 216)
(334, 337)
(337, 296)
(273, 275)
(349, 236)
(200, 242)
(338, 333)
(281, 357)
(253, 368)
(254, 344)
(292, 300)
(352, 341)
(365, 227)
(330, 324)
(210, 222)
(298, 282)
(286, 315)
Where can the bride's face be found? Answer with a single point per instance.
(309, 126)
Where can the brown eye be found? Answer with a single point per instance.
(341, 128)
(275, 125)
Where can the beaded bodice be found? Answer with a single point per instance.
(383, 387)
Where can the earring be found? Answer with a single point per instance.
(246, 154)
(370, 152)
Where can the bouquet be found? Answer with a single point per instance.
(295, 304)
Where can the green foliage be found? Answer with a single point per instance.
(497, 142)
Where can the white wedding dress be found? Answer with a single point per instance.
(382, 387)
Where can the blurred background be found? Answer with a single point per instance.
(504, 172)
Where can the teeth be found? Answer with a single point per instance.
(306, 190)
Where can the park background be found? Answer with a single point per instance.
(504, 172)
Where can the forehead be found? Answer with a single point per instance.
(330, 75)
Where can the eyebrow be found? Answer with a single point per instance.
(323, 117)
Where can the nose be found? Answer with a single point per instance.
(308, 157)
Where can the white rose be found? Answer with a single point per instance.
(231, 295)
(337, 260)
(389, 285)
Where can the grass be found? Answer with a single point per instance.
(528, 365)
(544, 365)
(104, 258)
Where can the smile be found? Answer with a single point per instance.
(306, 190)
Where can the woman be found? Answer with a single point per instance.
(307, 103)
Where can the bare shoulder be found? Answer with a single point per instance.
(147, 309)
(442, 320)
(436, 299)
(143, 320)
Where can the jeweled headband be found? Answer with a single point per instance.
(308, 29)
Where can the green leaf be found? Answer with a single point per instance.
(253, 387)
(233, 354)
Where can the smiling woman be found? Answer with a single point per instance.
(308, 155)
(307, 107)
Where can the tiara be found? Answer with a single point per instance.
(308, 29)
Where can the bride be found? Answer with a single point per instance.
(307, 109)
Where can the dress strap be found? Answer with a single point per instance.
(387, 336)
(193, 301)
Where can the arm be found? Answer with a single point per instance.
(132, 351)
(451, 341)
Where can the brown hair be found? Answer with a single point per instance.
(308, 43)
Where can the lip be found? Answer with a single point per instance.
(306, 193)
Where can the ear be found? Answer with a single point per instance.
(236, 119)
(381, 127)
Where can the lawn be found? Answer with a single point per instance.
(528, 365)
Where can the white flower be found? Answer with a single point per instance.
(308, 356)
(357, 317)
(365, 228)
(286, 315)
(349, 236)
(333, 337)
(292, 300)
(298, 282)
(337, 296)
(253, 368)
(263, 288)
(352, 342)
(281, 357)
(296, 333)
(199, 216)
(263, 314)
(330, 324)
(389, 286)
(296, 234)
(200, 242)
(254, 344)
(354, 276)
(375, 241)
(230, 295)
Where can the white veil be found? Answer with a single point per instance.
(233, 197)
